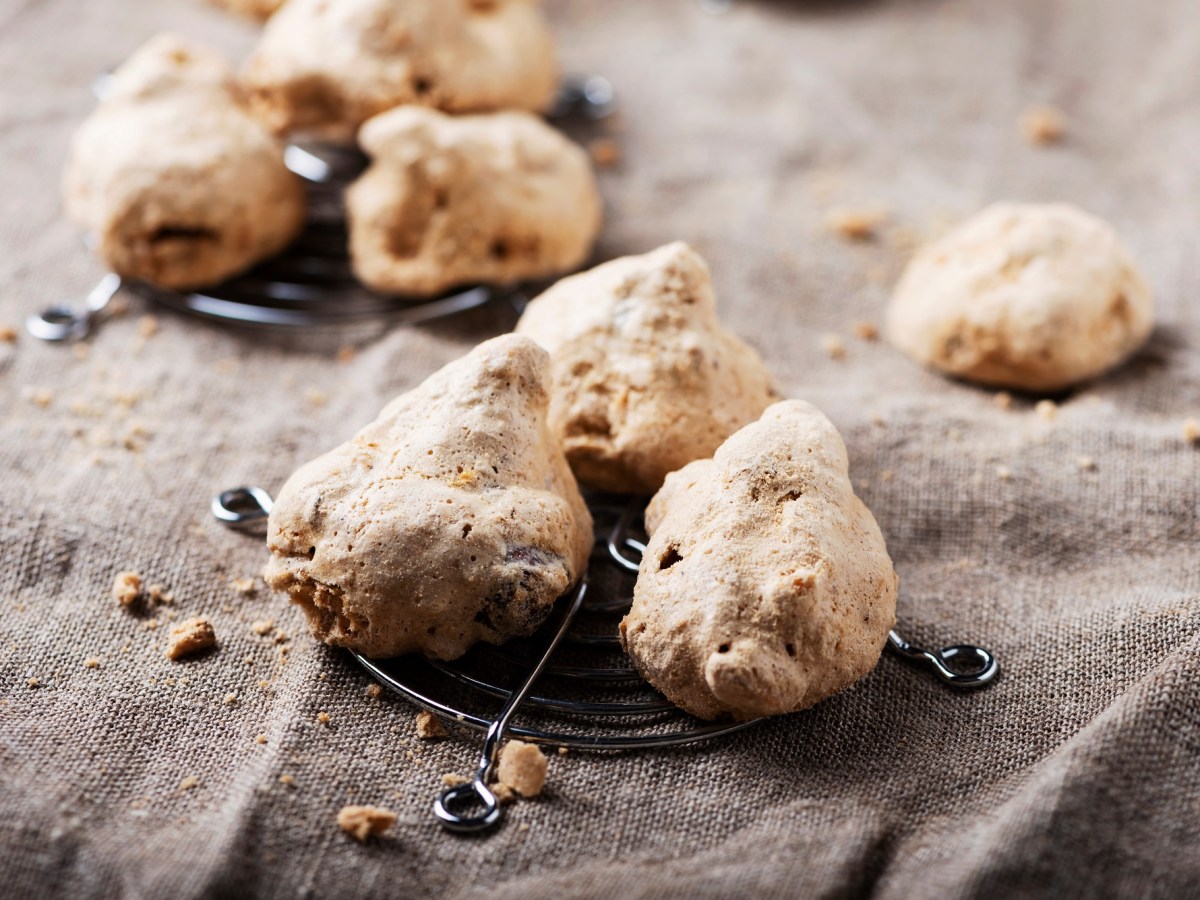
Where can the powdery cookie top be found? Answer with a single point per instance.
(1030, 297)
(452, 518)
(459, 200)
(326, 67)
(180, 184)
(645, 377)
(766, 586)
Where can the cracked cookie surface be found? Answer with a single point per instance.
(766, 585)
(452, 518)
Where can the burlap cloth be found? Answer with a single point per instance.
(1077, 774)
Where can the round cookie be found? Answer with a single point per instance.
(766, 585)
(1031, 297)
(452, 518)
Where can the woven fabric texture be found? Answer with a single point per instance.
(1077, 774)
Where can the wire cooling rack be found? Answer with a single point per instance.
(588, 696)
(311, 283)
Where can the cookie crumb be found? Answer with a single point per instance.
(523, 768)
(605, 152)
(190, 637)
(316, 397)
(1191, 431)
(1086, 463)
(263, 626)
(147, 326)
(429, 726)
(323, 718)
(127, 587)
(8, 334)
(374, 691)
(150, 625)
(346, 353)
(158, 594)
(866, 331)
(260, 739)
(41, 397)
(449, 779)
(188, 783)
(245, 585)
(289, 780)
(231, 699)
(524, 826)
(1043, 125)
(833, 346)
(33, 682)
(504, 794)
(264, 684)
(563, 751)
(362, 822)
(91, 663)
(855, 224)
(1004, 473)
(1003, 399)
(1047, 410)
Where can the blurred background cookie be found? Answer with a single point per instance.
(179, 184)
(1032, 297)
(326, 67)
(458, 200)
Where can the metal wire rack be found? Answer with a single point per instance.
(589, 697)
(311, 282)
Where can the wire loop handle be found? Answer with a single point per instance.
(443, 806)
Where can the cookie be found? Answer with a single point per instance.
(180, 185)
(451, 201)
(324, 68)
(645, 377)
(452, 518)
(257, 9)
(766, 585)
(1031, 297)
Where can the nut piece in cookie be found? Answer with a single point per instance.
(450, 201)
(325, 68)
(452, 518)
(1036, 298)
(645, 377)
(766, 586)
(180, 185)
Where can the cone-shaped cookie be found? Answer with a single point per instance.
(181, 186)
(766, 586)
(452, 518)
(326, 67)
(645, 377)
(460, 200)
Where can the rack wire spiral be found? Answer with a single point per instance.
(589, 696)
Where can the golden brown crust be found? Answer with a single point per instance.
(180, 185)
(450, 201)
(450, 519)
(645, 377)
(1036, 298)
(325, 68)
(766, 585)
